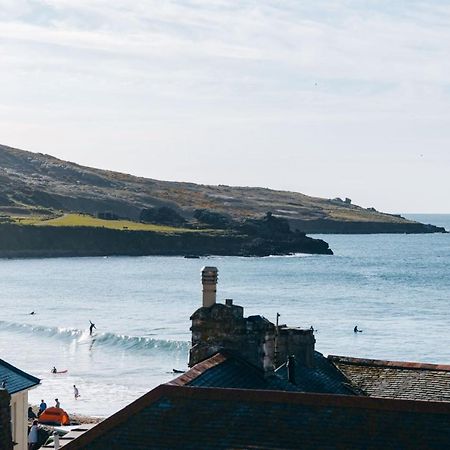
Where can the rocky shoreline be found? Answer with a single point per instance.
(21, 241)
(324, 226)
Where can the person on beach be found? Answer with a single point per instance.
(355, 330)
(31, 414)
(76, 393)
(57, 404)
(42, 407)
(91, 327)
(33, 436)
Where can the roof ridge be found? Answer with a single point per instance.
(308, 398)
(198, 369)
(209, 363)
(388, 363)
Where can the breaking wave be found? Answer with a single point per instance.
(80, 337)
(291, 255)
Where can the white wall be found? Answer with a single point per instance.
(19, 419)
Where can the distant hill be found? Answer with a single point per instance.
(34, 183)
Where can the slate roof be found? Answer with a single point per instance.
(324, 378)
(15, 379)
(227, 370)
(180, 417)
(395, 379)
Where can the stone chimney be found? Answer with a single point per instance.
(296, 342)
(6, 441)
(209, 282)
(217, 326)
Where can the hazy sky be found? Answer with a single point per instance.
(329, 98)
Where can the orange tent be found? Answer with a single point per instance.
(54, 415)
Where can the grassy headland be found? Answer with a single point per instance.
(34, 184)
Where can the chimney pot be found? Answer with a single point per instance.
(209, 281)
(229, 301)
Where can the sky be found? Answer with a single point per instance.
(328, 98)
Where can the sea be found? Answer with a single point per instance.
(396, 288)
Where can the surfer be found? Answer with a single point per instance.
(76, 393)
(91, 327)
(355, 330)
(54, 370)
(32, 313)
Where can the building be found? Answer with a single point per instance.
(17, 384)
(396, 379)
(6, 441)
(179, 417)
(255, 384)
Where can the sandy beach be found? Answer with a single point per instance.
(76, 418)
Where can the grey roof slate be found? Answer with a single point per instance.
(324, 378)
(14, 379)
(181, 417)
(228, 370)
(396, 379)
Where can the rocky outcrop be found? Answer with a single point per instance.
(324, 226)
(33, 241)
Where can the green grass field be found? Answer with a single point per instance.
(84, 220)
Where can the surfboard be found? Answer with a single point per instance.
(61, 371)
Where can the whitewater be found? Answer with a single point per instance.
(394, 287)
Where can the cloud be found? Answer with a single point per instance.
(337, 66)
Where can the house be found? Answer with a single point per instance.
(180, 417)
(17, 384)
(254, 384)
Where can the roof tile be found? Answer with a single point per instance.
(15, 379)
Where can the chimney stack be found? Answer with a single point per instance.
(209, 281)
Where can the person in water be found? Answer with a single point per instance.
(91, 327)
(54, 370)
(76, 393)
(355, 330)
(57, 404)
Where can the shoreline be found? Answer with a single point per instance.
(46, 241)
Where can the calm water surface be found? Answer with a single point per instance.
(394, 287)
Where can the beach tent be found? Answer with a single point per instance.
(54, 416)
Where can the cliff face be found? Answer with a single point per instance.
(37, 183)
(31, 241)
